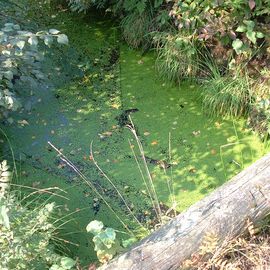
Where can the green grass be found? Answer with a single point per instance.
(226, 94)
(177, 56)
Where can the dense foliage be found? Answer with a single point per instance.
(26, 233)
(214, 42)
(20, 59)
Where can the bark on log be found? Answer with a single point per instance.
(224, 212)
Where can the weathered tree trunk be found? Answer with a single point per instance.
(224, 212)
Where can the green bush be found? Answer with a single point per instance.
(235, 23)
(20, 60)
(26, 234)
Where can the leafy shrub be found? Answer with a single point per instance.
(232, 22)
(138, 18)
(26, 234)
(136, 28)
(20, 60)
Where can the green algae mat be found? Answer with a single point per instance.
(92, 88)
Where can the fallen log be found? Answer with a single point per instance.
(223, 213)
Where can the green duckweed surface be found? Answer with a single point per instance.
(90, 84)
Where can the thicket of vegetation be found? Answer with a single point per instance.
(224, 45)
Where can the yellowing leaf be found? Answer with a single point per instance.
(115, 106)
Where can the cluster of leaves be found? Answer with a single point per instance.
(138, 17)
(25, 234)
(235, 23)
(106, 244)
(20, 59)
(105, 241)
(231, 41)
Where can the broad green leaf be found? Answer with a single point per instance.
(67, 263)
(110, 232)
(94, 227)
(48, 40)
(241, 28)
(9, 24)
(62, 39)
(20, 44)
(33, 41)
(259, 35)
(16, 27)
(8, 74)
(237, 45)
(98, 243)
(251, 35)
(54, 31)
(250, 24)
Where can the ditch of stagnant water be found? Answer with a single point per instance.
(91, 85)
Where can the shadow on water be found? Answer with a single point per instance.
(81, 104)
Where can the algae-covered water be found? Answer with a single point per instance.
(89, 86)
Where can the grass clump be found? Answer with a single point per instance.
(135, 28)
(227, 95)
(177, 56)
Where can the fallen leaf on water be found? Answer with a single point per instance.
(154, 142)
(23, 122)
(196, 133)
(115, 106)
(107, 133)
(33, 137)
